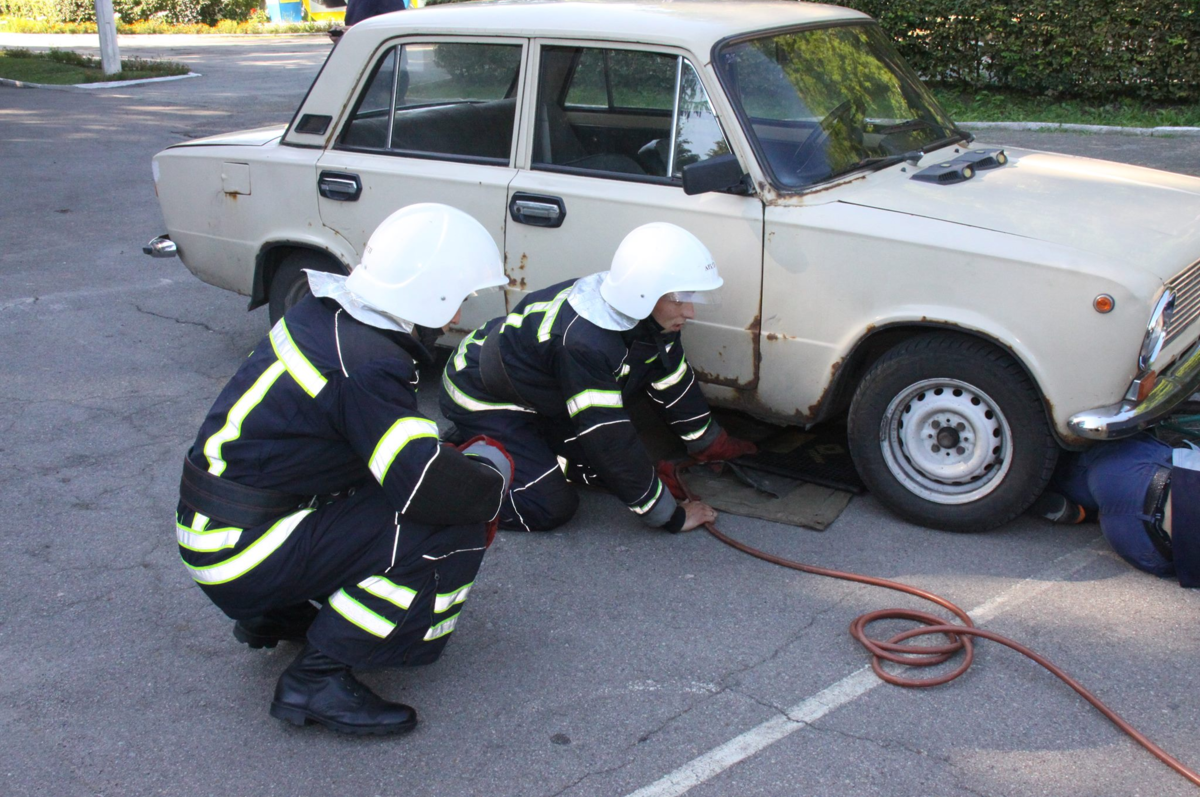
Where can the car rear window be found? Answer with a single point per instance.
(450, 99)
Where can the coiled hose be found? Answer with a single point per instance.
(959, 638)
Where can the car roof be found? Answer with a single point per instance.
(692, 24)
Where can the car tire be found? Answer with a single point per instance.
(949, 432)
(290, 284)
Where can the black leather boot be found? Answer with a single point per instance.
(289, 623)
(316, 688)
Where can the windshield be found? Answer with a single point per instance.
(824, 102)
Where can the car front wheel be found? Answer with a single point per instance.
(949, 432)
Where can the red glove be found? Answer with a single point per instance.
(494, 453)
(666, 472)
(725, 448)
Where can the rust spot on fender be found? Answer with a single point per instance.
(524, 262)
(815, 407)
(231, 195)
(776, 336)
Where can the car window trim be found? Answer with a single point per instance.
(622, 176)
(480, 160)
(426, 38)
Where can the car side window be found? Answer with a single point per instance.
(622, 113)
(447, 99)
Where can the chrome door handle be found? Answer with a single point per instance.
(542, 210)
(341, 186)
(537, 210)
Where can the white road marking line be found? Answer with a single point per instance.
(29, 301)
(853, 686)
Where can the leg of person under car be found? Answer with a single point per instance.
(1115, 483)
(540, 498)
(392, 594)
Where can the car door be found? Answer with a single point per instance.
(612, 127)
(434, 121)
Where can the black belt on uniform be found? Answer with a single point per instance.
(493, 375)
(231, 503)
(1154, 508)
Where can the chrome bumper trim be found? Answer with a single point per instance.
(1121, 420)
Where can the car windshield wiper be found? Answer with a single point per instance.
(883, 161)
(956, 133)
(907, 125)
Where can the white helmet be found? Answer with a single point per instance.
(423, 261)
(654, 260)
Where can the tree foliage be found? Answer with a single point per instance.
(1148, 49)
(176, 12)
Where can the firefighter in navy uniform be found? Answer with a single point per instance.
(315, 477)
(1146, 496)
(550, 381)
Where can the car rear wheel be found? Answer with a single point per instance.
(949, 432)
(290, 284)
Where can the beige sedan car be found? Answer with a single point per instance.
(973, 310)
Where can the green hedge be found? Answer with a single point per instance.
(1149, 49)
(176, 12)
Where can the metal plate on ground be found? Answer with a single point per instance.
(820, 456)
(799, 504)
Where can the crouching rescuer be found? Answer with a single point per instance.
(315, 478)
(551, 379)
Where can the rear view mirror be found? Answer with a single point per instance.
(722, 173)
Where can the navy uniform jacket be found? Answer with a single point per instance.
(565, 367)
(325, 403)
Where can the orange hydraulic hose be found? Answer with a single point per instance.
(958, 638)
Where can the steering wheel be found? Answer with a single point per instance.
(816, 140)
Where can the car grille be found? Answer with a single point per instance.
(1186, 285)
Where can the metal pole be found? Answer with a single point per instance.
(110, 56)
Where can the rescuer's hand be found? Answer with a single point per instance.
(725, 448)
(697, 514)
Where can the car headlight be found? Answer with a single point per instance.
(1156, 330)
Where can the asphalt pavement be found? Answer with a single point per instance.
(604, 659)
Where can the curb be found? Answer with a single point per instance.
(108, 84)
(1058, 127)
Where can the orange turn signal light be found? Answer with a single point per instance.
(1104, 303)
(1146, 385)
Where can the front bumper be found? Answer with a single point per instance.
(1121, 420)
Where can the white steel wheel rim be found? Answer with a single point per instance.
(946, 441)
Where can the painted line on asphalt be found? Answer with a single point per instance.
(108, 84)
(848, 689)
(30, 301)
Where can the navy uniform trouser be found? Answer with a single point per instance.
(541, 497)
(1111, 479)
(392, 589)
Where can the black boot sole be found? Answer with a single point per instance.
(254, 640)
(257, 641)
(300, 718)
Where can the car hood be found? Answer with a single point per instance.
(242, 138)
(1141, 217)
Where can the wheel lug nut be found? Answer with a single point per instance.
(936, 449)
(960, 426)
(937, 424)
(961, 450)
